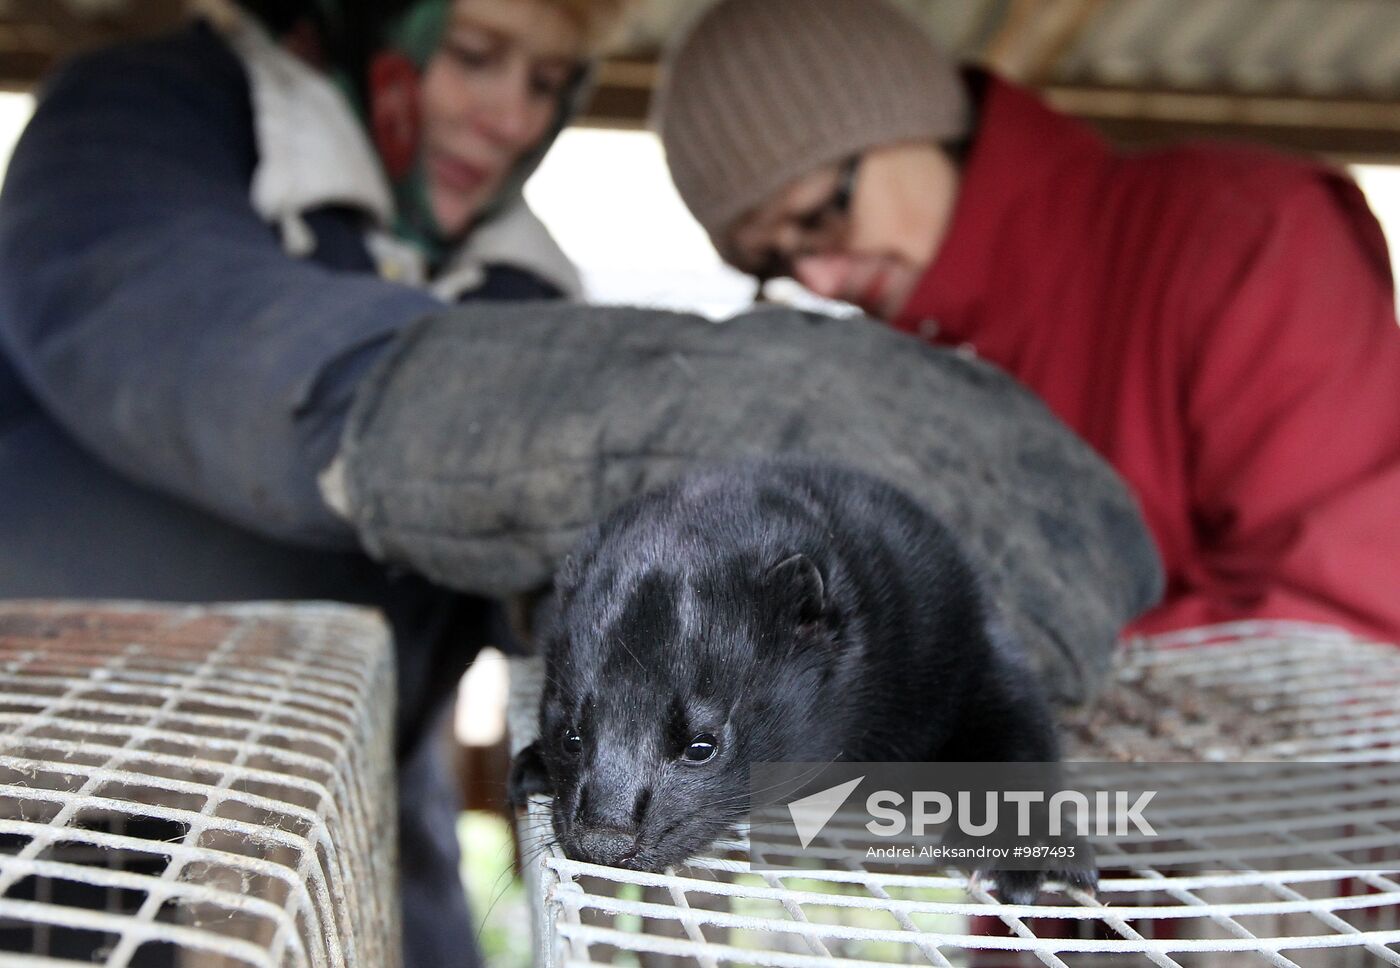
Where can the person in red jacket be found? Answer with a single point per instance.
(1218, 322)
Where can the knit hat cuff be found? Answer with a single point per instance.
(758, 93)
(718, 212)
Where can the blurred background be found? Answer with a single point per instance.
(1320, 76)
(1316, 76)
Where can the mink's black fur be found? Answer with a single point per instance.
(786, 610)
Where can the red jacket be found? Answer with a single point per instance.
(1219, 323)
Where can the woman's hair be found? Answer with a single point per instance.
(599, 21)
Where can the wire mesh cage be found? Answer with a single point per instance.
(1248, 691)
(196, 787)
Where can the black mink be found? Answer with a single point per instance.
(772, 610)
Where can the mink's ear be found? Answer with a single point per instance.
(797, 586)
(567, 575)
(570, 570)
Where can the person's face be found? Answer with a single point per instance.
(490, 92)
(861, 231)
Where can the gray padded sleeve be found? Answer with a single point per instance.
(487, 441)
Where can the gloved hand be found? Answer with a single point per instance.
(489, 437)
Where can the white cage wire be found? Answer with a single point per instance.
(196, 787)
(1247, 691)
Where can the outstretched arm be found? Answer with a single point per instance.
(156, 316)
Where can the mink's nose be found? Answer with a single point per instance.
(606, 845)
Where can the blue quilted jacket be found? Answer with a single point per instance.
(170, 380)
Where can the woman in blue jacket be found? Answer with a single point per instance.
(205, 241)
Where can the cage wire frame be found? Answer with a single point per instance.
(196, 786)
(1277, 691)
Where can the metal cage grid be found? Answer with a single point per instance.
(1247, 691)
(195, 786)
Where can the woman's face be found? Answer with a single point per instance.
(490, 93)
(870, 249)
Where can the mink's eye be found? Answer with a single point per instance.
(701, 749)
(573, 742)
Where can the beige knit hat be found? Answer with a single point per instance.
(760, 92)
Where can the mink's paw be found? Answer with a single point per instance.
(1023, 887)
(1070, 860)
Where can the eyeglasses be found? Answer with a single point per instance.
(817, 225)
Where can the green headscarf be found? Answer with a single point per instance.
(376, 51)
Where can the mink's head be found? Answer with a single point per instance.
(668, 671)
